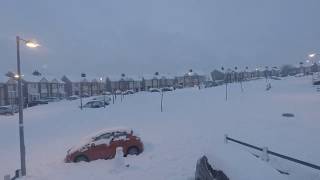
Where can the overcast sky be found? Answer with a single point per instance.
(110, 37)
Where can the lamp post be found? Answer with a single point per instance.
(225, 81)
(103, 92)
(29, 44)
(83, 76)
(313, 59)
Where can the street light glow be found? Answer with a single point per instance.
(312, 55)
(32, 44)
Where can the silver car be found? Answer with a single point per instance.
(11, 109)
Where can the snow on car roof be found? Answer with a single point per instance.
(110, 130)
(88, 139)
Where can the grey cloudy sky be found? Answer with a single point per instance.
(109, 37)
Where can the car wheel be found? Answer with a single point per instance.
(81, 158)
(133, 151)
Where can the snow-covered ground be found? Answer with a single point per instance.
(193, 123)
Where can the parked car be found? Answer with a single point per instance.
(94, 104)
(51, 99)
(209, 84)
(102, 98)
(316, 82)
(118, 92)
(74, 97)
(103, 145)
(85, 95)
(167, 89)
(154, 90)
(11, 109)
(106, 93)
(37, 102)
(178, 86)
(128, 92)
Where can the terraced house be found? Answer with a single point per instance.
(88, 86)
(57, 88)
(3, 92)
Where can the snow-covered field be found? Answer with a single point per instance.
(193, 123)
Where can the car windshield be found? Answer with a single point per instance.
(103, 136)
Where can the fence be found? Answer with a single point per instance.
(273, 153)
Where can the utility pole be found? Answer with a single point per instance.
(83, 75)
(225, 81)
(161, 101)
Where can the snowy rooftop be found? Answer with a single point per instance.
(110, 130)
(32, 78)
(88, 78)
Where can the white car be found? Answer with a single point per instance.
(118, 91)
(106, 93)
(128, 92)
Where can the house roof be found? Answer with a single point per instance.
(160, 76)
(73, 78)
(118, 78)
(31, 78)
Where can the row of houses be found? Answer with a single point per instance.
(34, 87)
(37, 86)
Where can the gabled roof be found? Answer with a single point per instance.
(55, 80)
(160, 76)
(31, 78)
(76, 79)
(43, 80)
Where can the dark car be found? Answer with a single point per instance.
(37, 102)
(71, 98)
(154, 90)
(50, 99)
(8, 110)
(103, 145)
(167, 89)
(95, 104)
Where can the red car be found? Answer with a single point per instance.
(103, 145)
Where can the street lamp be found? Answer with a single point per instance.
(103, 93)
(312, 56)
(29, 44)
(225, 81)
(313, 61)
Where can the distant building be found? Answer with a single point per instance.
(12, 91)
(86, 85)
(32, 88)
(3, 91)
(191, 79)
